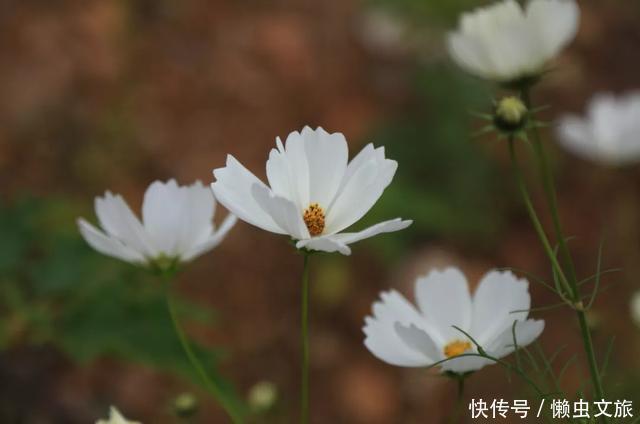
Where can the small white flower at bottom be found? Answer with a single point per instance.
(116, 418)
(402, 335)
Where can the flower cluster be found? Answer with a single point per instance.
(314, 194)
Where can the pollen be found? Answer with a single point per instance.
(456, 347)
(314, 219)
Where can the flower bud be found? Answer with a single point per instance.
(185, 405)
(263, 396)
(510, 114)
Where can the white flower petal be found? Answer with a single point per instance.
(199, 210)
(498, 295)
(466, 363)
(115, 417)
(108, 245)
(327, 157)
(280, 174)
(233, 188)
(467, 52)
(339, 242)
(309, 167)
(420, 341)
(284, 212)
(367, 153)
(390, 226)
(212, 241)
(298, 167)
(525, 332)
(117, 219)
(381, 337)
(178, 218)
(164, 215)
(287, 170)
(554, 22)
(444, 300)
(327, 244)
(398, 308)
(361, 188)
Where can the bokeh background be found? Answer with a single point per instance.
(101, 95)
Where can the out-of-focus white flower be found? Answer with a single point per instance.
(402, 335)
(610, 133)
(635, 308)
(177, 225)
(116, 418)
(314, 193)
(505, 43)
(383, 32)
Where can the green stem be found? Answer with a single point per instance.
(455, 417)
(216, 391)
(550, 192)
(534, 217)
(304, 329)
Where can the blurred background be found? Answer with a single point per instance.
(101, 95)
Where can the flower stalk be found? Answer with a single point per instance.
(524, 192)
(214, 389)
(568, 278)
(304, 335)
(457, 412)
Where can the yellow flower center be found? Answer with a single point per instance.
(314, 219)
(456, 347)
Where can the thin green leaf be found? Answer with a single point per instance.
(606, 271)
(597, 282)
(541, 308)
(607, 355)
(565, 367)
(548, 364)
(481, 115)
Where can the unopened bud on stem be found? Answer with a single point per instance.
(510, 114)
(263, 396)
(185, 405)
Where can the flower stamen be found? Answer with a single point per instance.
(314, 219)
(456, 347)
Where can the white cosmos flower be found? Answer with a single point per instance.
(177, 224)
(116, 418)
(313, 193)
(610, 133)
(504, 42)
(402, 335)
